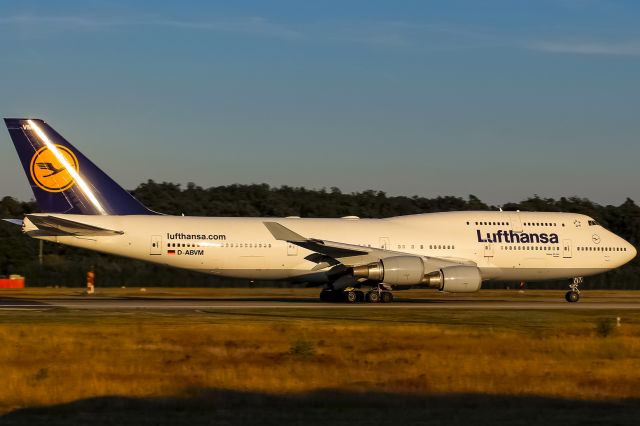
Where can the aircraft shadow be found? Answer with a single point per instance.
(35, 302)
(333, 407)
(7, 302)
(223, 299)
(279, 299)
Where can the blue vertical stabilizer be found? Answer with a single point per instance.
(63, 180)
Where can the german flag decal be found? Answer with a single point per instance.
(171, 252)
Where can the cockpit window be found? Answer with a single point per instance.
(593, 223)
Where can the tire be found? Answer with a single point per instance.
(351, 297)
(572, 296)
(386, 297)
(373, 296)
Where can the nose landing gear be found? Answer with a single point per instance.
(573, 295)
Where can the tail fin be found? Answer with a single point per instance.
(63, 180)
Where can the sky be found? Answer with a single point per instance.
(503, 99)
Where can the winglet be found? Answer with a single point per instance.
(282, 233)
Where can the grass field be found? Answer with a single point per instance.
(311, 365)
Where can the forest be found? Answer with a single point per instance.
(66, 266)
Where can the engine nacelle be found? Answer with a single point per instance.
(411, 270)
(456, 279)
(396, 270)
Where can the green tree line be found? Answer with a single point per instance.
(68, 266)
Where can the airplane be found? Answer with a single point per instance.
(354, 259)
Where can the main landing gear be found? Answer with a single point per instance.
(573, 295)
(352, 295)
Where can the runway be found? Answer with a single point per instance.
(217, 304)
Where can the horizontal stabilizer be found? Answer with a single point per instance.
(14, 221)
(59, 226)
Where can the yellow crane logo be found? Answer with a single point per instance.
(50, 170)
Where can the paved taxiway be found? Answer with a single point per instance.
(154, 304)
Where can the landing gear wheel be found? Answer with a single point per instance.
(572, 296)
(325, 295)
(373, 296)
(386, 297)
(351, 296)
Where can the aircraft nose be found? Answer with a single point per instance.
(632, 251)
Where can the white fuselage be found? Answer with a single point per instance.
(524, 246)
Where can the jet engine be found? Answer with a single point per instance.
(412, 271)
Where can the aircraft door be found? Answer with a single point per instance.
(385, 243)
(516, 224)
(566, 249)
(292, 249)
(156, 245)
(488, 249)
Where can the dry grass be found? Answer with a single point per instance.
(53, 357)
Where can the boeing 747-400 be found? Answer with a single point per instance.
(354, 259)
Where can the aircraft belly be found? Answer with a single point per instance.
(268, 274)
(539, 274)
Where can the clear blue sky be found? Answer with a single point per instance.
(501, 99)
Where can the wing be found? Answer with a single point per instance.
(327, 248)
(349, 254)
(57, 226)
